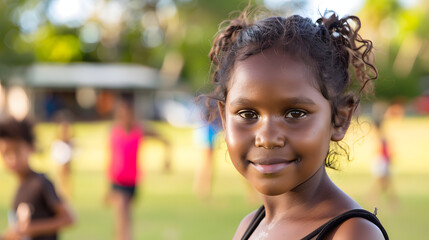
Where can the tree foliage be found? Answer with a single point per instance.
(400, 35)
(142, 32)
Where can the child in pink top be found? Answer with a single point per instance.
(124, 146)
(123, 171)
(125, 138)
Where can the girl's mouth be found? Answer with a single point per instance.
(270, 167)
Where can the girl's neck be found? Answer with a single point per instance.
(302, 199)
(23, 175)
(126, 125)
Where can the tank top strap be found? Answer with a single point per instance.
(259, 215)
(329, 226)
(322, 231)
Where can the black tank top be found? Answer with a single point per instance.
(322, 231)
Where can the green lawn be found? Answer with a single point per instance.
(166, 207)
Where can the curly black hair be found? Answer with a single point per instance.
(13, 129)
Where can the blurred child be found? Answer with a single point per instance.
(382, 168)
(382, 165)
(38, 213)
(123, 171)
(205, 137)
(62, 152)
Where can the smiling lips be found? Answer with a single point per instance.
(271, 166)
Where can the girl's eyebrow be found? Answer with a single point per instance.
(241, 102)
(292, 100)
(301, 100)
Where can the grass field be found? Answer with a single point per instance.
(166, 207)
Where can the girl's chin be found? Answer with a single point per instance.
(270, 190)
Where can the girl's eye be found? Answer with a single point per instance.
(296, 114)
(246, 114)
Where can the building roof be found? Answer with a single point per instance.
(107, 76)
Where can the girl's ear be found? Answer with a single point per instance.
(342, 122)
(221, 107)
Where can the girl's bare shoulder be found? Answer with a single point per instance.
(244, 224)
(357, 229)
(354, 228)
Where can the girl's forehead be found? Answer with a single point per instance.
(11, 143)
(274, 64)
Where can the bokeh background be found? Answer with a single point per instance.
(76, 55)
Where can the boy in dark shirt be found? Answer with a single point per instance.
(38, 212)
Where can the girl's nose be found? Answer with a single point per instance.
(269, 135)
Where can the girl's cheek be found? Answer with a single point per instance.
(237, 132)
(232, 136)
(312, 140)
(238, 139)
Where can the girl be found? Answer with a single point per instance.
(62, 152)
(123, 171)
(282, 91)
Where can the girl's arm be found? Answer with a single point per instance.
(150, 133)
(63, 217)
(167, 147)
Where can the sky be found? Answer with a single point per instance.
(74, 12)
(341, 7)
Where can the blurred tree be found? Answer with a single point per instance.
(13, 50)
(400, 36)
(135, 31)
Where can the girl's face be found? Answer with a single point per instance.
(123, 113)
(15, 154)
(277, 123)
